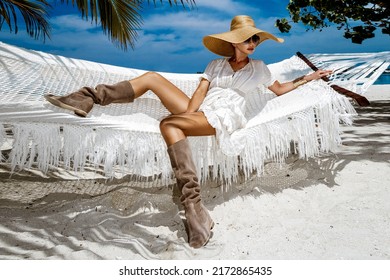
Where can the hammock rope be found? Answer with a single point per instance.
(121, 139)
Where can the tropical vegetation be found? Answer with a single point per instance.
(119, 19)
(358, 18)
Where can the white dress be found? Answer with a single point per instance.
(224, 105)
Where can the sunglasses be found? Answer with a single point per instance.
(255, 39)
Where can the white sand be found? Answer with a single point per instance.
(333, 207)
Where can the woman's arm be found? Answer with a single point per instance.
(198, 96)
(283, 88)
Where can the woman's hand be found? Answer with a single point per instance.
(198, 96)
(318, 75)
(283, 88)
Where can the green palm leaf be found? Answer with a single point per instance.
(121, 19)
(34, 14)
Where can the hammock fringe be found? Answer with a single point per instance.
(122, 139)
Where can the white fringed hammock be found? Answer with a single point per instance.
(125, 139)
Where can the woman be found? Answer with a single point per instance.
(216, 107)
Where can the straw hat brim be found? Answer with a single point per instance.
(221, 43)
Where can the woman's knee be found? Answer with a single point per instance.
(170, 130)
(167, 123)
(144, 82)
(152, 75)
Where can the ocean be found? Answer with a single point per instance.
(383, 79)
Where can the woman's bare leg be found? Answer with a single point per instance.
(177, 127)
(82, 101)
(175, 100)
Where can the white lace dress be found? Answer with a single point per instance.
(224, 105)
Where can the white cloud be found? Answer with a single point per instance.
(185, 21)
(71, 22)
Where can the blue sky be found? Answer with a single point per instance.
(171, 37)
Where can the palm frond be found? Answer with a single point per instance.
(121, 19)
(34, 14)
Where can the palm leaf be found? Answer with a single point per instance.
(34, 14)
(121, 19)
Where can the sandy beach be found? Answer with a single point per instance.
(333, 207)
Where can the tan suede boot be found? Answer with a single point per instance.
(198, 218)
(81, 101)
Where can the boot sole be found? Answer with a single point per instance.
(211, 226)
(54, 100)
(206, 240)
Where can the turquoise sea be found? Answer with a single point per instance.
(383, 79)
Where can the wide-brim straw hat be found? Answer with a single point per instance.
(241, 29)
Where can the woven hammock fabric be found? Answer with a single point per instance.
(125, 139)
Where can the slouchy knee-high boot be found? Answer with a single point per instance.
(82, 101)
(198, 218)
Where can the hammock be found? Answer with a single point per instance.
(355, 71)
(123, 139)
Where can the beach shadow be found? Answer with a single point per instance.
(136, 221)
(63, 225)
